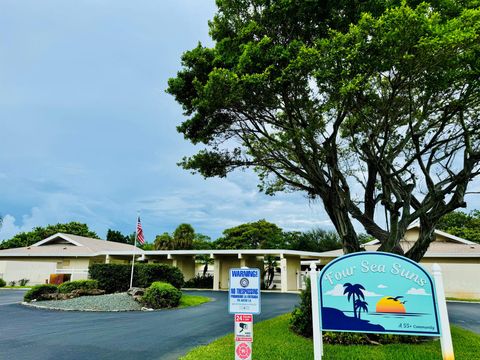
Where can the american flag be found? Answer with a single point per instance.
(140, 237)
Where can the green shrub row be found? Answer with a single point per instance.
(200, 282)
(162, 295)
(38, 290)
(69, 286)
(116, 277)
(2, 283)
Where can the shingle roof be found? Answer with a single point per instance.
(67, 245)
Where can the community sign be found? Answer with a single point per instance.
(376, 292)
(244, 292)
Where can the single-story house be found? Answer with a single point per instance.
(458, 258)
(72, 255)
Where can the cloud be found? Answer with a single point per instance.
(381, 286)
(336, 291)
(414, 291)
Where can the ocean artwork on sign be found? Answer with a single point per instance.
(376, 292)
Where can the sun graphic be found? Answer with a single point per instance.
(390, 304)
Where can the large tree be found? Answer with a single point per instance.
(39, 233)
(260, 234)
(370, 106)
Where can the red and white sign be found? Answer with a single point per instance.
(243, 327)
(243, 351)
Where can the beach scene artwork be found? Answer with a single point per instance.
(375, 292)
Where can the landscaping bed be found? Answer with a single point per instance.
(109, 302)
(274, 340)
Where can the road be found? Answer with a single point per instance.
(29, 333)
(466, 315)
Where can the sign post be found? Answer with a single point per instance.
(381, 293)
(244, 302)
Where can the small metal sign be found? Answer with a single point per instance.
(243, 351)
(244, 292)
(244, 327)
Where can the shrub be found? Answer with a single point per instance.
(200, 282)
(23, 282)
(69, 286)
(2, 283)
(12, 283)
(116, 277)
(38, 291)
(162, 295)
(301, 320)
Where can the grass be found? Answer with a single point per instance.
(274, 340)
(460, 299)
(193, 300)
(17, 287)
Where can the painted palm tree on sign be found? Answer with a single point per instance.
(354, 292)
(361, 305)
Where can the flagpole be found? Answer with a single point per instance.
(133, 257)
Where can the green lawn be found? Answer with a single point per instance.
(193, 300)
(17, 287)
(460, 299)
(273, 340)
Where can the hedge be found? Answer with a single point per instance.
(69, 286)
(2, 283)
(37, 291)
(116, 277)
(162, 295)
(200, 282)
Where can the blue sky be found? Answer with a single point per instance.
(88, 132)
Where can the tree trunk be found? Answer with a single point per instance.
(426, 236)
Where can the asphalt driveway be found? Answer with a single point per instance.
(28, 333)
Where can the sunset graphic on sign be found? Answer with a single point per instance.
(391, 304)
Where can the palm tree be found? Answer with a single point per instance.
(361, 305)
(354, 291)
(205, 260)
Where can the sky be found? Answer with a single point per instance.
(88, 133)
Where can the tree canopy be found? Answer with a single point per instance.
(463, 225)
(260, 234)
(117, 236)
(370, 106)
(316, 240)
(39, 233)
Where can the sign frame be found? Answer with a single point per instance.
(438, 296)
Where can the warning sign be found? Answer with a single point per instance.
(243, 351)
(244, 292)
(244, 327)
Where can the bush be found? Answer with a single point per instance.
(69, 286)
(116, 277)
(2, 283)
(301, 320)
(200, 282)
(38, 291)
(162, 295)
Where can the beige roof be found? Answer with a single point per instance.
(436, 249)
(67, 245)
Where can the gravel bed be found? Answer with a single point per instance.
(109, 302)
